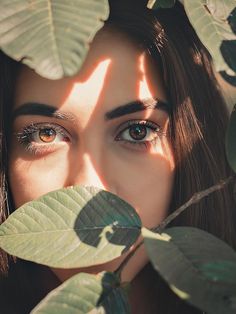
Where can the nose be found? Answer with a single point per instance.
(84, 173)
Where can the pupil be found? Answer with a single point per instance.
(138, 132)
(47, 135)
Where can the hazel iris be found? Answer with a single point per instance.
(47, 135)
(138, 132)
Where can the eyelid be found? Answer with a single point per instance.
(35, 127)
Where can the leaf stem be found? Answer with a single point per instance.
(125, 261)
(197, 197)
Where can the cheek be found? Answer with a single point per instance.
(147, 187)
(29, 180)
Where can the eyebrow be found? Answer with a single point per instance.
(138, 105)
(39, 109)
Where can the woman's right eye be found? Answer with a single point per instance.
(48, 135)
(41, 137)
(143, 134)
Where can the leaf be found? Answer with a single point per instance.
(50, 36)
(209, 19)
(220, 9)
(198, 267)
(165, 4)
(86, 293)
(231, 140)
(232, 20)
(231, 79)
(228, 50)
(71, 227)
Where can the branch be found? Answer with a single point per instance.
(197, 197)
(125, 261)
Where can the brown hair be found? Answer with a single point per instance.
(199, 115)
(197, 124)
(8, 73)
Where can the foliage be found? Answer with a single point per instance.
(214, 22)
(100, 293)
(173, 253)
(50, 36)
(83, 226)
(189, 260)
(59, 47)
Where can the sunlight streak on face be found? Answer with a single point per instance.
(87, 174)
(144, 90)
(87, 93)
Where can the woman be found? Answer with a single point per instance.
(152, 131)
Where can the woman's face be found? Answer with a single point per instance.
(102, 127)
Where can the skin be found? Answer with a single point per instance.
(90, 150)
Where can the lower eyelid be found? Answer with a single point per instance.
(157, 130)
(137, 147)
(40, 149)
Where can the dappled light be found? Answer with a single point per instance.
(86, 94)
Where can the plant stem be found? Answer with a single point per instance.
(125, 261)
(193, 200)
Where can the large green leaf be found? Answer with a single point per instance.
(50, 36)
(85, 293)
(210, 20)
(231, 140)
(71, 227)
(198, 267)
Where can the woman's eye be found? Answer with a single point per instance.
(47, 135)
(139, 132)
(41, 138)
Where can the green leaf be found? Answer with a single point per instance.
(229, 94)
(220, 9)
(71, 227)
(50, 36)
(85, 293)
(210, 20)
(155, 4)
(232, 20)
(198, 267)
(231, 140)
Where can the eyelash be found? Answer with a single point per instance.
(156, 129)
(26, 136)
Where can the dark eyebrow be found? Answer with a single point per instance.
(38, 109)
(137, 105)
(33, 108)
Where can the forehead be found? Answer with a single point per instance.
(112, 74)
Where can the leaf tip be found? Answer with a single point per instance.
(182, 294)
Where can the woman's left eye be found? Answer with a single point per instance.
(139, 131)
